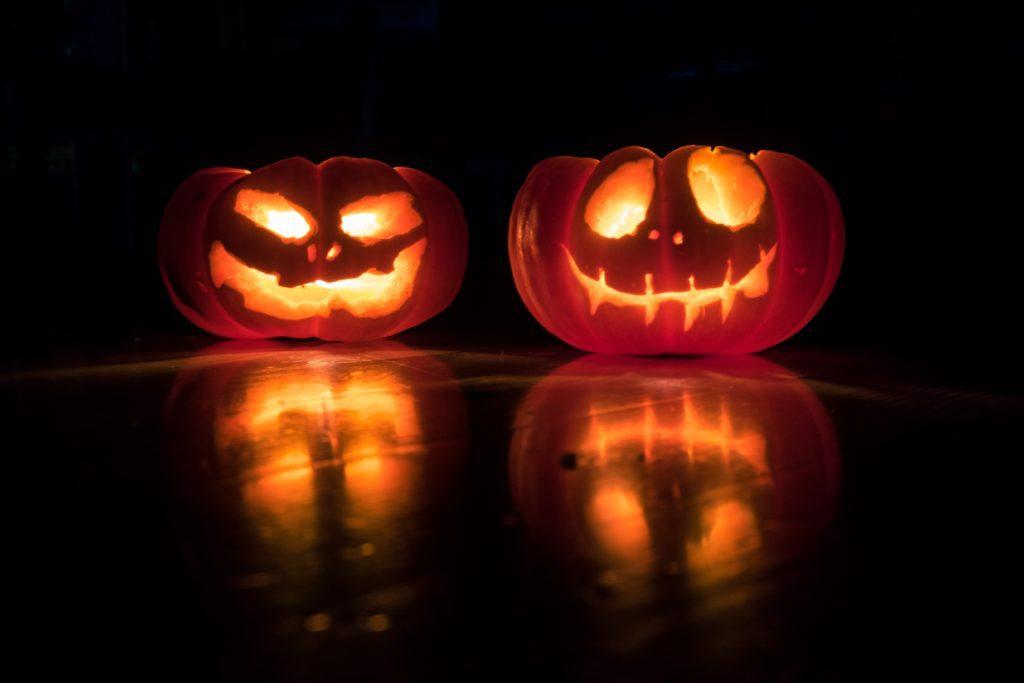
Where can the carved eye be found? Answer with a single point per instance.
(620, 203)
(274, 213)
(728, 190)
(379, 217)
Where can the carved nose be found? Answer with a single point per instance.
(333, 252)
(311, 253)
(677, 237)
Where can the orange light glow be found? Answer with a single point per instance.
(729, 535)
(727, 187)
(274, 213)
(381, 216)
(653, 474)
(289, 424)
(372, 294)
(753, 285)
(620, 203)
(617, 517)
(671, 428)
(670, 422)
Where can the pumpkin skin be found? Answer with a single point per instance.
(347, 250)
(639, 466)
(703, 251)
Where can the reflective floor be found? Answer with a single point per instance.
(273, 511)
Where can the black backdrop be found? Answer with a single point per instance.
(906, 110)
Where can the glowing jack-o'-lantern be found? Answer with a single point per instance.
(322, 469)
(348, 250)
(704, 251)
(706, 468)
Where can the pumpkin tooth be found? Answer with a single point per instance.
(692, 311)
(728, 297)
(596, 294)
(728, 294)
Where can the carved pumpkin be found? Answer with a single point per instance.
(704, 251)
(347, 250)
(706, 467)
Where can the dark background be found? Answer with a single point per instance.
(906, 109)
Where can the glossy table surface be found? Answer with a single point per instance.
(277, 511)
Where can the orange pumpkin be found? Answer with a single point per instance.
(347, 250)
(704, 251)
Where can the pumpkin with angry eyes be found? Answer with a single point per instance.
(347, 250)
(707, 250)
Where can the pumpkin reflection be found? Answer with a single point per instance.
(364, 422)
(707, 468)
(331, 459)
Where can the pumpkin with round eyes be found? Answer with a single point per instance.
(347, 250)
(707, 250)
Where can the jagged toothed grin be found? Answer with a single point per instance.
(752, 285)
(372, 294)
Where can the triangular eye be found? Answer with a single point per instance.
(274, 213)
(619, 204)
(727, 188)
(379, 217)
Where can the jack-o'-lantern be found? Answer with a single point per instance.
(704, 251)
(317, 470)
(702, 469)
(347, 250)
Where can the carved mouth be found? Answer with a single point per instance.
(372, 294)
(752, 285)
